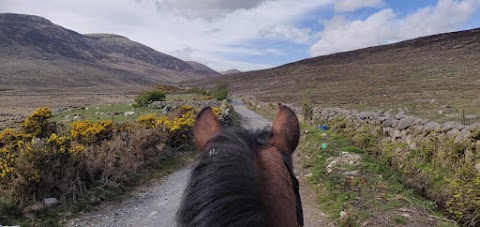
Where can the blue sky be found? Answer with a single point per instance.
(256, 34)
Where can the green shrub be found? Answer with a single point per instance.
(148, 97)
(220, 92)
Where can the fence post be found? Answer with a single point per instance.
(464, 121)
(126, 138)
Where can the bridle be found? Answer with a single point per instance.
(296, 186)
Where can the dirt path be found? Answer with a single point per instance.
(155, 204)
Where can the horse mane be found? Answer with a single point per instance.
(222, 190)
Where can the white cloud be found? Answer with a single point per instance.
(287, 32)
(386, 27)
(207, 8)
(352, 5)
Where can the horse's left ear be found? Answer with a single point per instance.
(206, 127)
(285, 130)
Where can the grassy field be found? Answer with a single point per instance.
(16, 107)
(355, 190)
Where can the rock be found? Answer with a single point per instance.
(448, 126)
(471, 117)
(352, 173)
(397, 134)
(308, 175)
(343, 214)
(441, 112)
(463, 136)
(406, 122)
(469, 156)
(477, 167)
(394, 123)
(400, 115)
(388, 123)
(432, 126)
(453, 132)
(49, 202)
(411, 142)
(474, 127)
(388, 131)
(152, 214)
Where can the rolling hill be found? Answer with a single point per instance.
(442, 69)
(35, 53)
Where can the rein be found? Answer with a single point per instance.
(296, 187)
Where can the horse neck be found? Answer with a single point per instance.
(275, 186)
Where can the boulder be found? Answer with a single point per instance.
(448, 126)
(49, 202)
(432, 126)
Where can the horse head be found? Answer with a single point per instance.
(243, 178)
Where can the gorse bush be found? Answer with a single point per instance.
(87, 132)
(38, 162)
(37, 123)
(179, 128)
(149, 97)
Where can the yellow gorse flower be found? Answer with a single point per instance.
(7, 159)
(88, 132)
(217, 111)
(58, 144)
(148, 121)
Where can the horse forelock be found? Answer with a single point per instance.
(222, 190)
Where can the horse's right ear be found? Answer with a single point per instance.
(285, 130)
(206, 127)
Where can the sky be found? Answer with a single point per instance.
(256, 34)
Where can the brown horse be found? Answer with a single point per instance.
(243, 178)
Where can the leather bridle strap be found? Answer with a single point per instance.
(296, 187)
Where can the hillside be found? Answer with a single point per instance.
(441, 69)
(231, 71)
(35, 53)
(202, 68)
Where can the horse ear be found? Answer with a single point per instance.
(285, 130)
(206, 127)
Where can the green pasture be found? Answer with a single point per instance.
(116, 112)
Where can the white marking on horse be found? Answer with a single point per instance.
(212, 152)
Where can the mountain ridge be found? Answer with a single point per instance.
(34, 52)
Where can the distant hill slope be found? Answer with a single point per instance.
(231, 71)
(444, 67)
(36, 53)
(202, 68)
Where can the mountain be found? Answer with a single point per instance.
(231, 71)
(442, 68)
(35, 53)
(202, 68)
